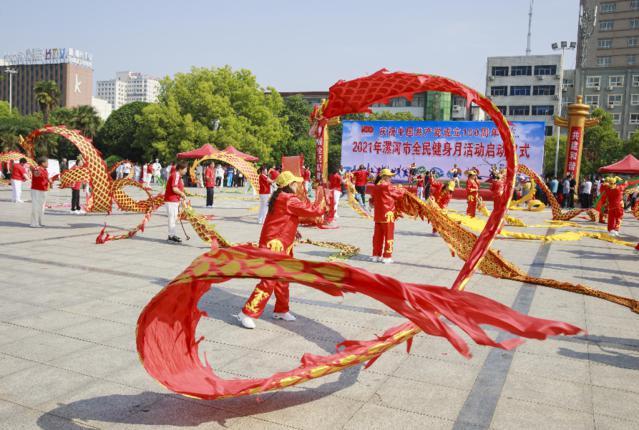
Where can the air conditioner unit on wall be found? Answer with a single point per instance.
(540, 77)
(557, 76)
(491, 77)
(556, 97)
(610, 88)
(611, 105)
(597, 87)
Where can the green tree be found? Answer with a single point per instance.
(219, 106)
(119, 134)
(47, 95)
(550, 144)
(13, 125)
(297, 112)
(602, 145)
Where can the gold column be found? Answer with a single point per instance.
(576, 123)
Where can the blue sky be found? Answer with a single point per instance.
(291, 45)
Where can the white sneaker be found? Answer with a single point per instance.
(245, 320)
(387, 260)
(375, 259)
(284, 316)
(80, 212)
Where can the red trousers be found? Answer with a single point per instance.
(383, 239)
(471, 209)
(254, 306)
(615, 215)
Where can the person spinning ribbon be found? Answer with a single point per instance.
(613, 195)
(383, 198)
(278, 234)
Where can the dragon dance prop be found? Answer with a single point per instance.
(461, 241)
(245, 167)
(166, 340)
(6, 157)
(352, 201)
(170, 319)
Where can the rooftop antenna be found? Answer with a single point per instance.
(530, 14)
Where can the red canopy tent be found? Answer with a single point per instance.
(628, 165)
(202, 151)
(232, 150)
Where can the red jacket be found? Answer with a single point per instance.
(335, 182)
(19, 173)
(614, 197)
(174, 181)
(472, 187)
(281, 222)
(497, 188)
(265, 185)
(384, 196)
(209, 177)
(307, 175)
(40, 179)
(361, 177)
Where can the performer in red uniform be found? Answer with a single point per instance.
(472, 193)
(613, 193)
(40, 184)
(446, 193)
(209, 183)
(173, 194)
(383, 198)
(497, 188)
(18, 177)
(278, 235)
(361, 179)
(265, 193)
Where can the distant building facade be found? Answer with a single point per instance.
(102, 107)
(526, 87)
(608, 60)
(128, 87)
(71, 69)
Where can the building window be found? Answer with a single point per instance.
(616, 118)
(632, 42)
(519, 110)
(592, 100)
(634, 99)
(634, 118)
(521, 70)
(398, 102)
(634, 4)
(503, 110)
(615, 81)
(634, 23)
(635, 80)
(499, 91)
(603, 61)
(608, 7)
(605, 43)
(632, 60)
(545, 70)
(543, 90)
(615, 100)
(593, 81)
(543, 110)
(517, 90)
(548, 130)
(605, 25)
(499, 71)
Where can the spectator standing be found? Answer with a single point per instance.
(18, 177)
(361, 179)
(209, 183)
(157, 171)
(587, 193)
(229, 176)
(219, 175)
(173, 194)
(565, 190)
(554, 187)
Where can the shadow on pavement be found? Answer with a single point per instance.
(159, 409)
(606, 350)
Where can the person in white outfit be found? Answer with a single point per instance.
(157, 168)
(265, 194)
(18, 176)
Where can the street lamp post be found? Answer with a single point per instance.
(10, 72)
(563, 45)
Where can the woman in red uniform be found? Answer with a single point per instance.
(278, 235)
(335, 182)
(265, 193)
(383, 198)
(613, 193)
(497, 188)
(445, 194)
(40, 184)
(472, 193)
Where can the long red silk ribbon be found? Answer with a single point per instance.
(169, 351)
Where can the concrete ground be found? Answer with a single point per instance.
(68, 311)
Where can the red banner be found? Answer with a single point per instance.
(573, 153)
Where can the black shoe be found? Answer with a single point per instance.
(174, 239)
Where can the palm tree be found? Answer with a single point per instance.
(86, 119)
(47, 95)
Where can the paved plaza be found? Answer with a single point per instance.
(68, 312)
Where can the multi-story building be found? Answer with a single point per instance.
(71, 69)
(128, 87)
(432, 105)
(102, 107)
(608, 60)
(526, 87)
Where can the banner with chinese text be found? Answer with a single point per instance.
(437, 145)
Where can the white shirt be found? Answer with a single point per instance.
(219, 172)
(156, 168)
(587, 187)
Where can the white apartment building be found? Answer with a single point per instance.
(526, 87)
(128, 87)
(102, 107)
